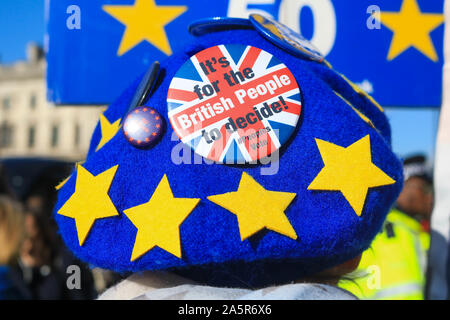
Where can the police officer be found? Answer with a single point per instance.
(394, 266)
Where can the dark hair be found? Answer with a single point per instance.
(5, 188)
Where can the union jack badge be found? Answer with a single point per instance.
(234, 103)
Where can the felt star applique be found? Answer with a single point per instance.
(349, 170)
(257, 208)
(144, 21)
(90, 201)
(362, 92)
(62, 183)
(359, 113)
(411, 28)
(158, 221)
(108, 129)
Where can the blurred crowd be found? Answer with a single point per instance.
(34, 263)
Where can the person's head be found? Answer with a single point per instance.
(42, 243)
(416, 198)
(228, 220)
(41, 196)
(334, 274)
(11, 229)
(36, 249)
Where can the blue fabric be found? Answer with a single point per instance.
(329, 232)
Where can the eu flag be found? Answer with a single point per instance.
(393, 49)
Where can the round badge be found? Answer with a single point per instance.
(208, 25)
(234, 103)
(286, 38)
(143, 126)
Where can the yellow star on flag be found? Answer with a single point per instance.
(90, 201)
(257, 208)
(411, 28)
(108, 129)
(158, 221)
(144, 21)
(349, 170)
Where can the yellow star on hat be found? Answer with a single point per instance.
(108, 129)
(359, 113)
(411, 28)
(90, 200)
(144, 21)
(62, 183)
(158, 221)
(257, 208)
(349, 170)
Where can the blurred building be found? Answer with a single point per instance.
(32, 127)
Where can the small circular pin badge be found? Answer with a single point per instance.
(208, 25)
(285, 38)
(234, 103)
(143, 126)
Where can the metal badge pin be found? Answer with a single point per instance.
(208, 25)
(143, 125)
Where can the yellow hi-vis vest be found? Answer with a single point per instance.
(393, 268)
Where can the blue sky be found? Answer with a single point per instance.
(413, 130)
(22, 21)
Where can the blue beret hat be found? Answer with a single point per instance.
(131, 209)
